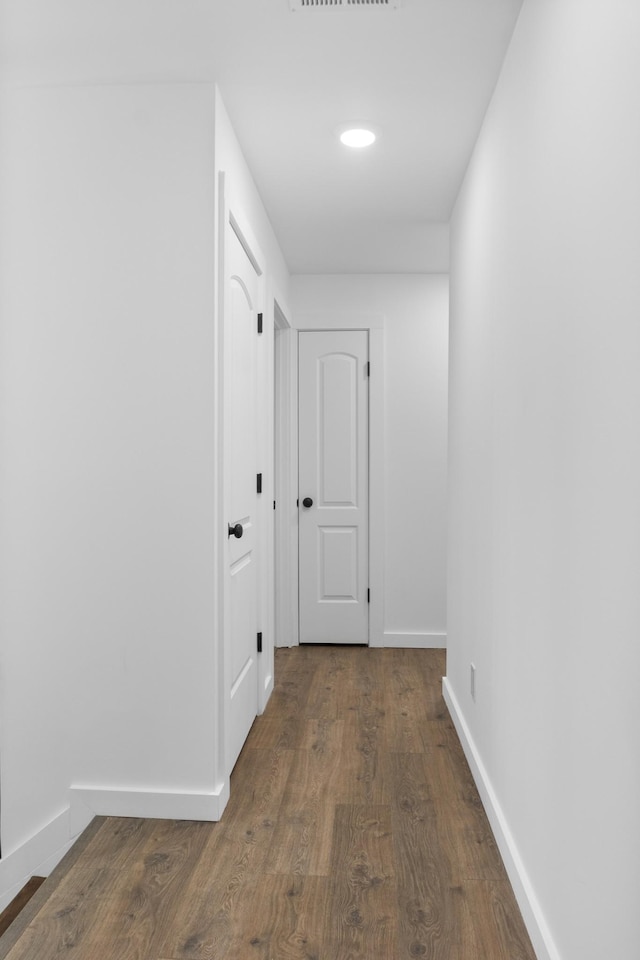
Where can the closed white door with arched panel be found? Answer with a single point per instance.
(333, 486)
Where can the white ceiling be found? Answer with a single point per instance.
(423, 75)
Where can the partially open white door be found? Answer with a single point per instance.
(240, 449)
(333, 486)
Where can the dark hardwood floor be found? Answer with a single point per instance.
(354, 832)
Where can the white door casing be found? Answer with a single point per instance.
(240, 466)
(286, 481)
(333, 474)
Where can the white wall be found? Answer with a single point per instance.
(107, 508)
(544, 544)
(414, 311)
(111, 503)
(229, 158)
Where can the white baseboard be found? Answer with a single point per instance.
(415, 641)
(35, 857)
(532, 914)
(90, 801)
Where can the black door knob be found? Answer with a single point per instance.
(236, 531)
(307, 502)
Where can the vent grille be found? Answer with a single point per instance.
(327, 4)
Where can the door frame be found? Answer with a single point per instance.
(286, 479)
(374, 325)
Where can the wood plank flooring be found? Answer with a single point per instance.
(354, 832)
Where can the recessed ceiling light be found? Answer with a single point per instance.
(357, 137)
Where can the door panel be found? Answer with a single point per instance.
(333, 473)
(338, 564)
(240, 456)
(338, 430)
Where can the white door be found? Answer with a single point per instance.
(240, 447)
(333, 486)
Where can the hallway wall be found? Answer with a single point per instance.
(107, 403)
(413, 310)
(544, 545)
(110, 653)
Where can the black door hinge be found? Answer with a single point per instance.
(368, 368)
(274, 504)
(259, 483)
(259, 323)
(259, 643)
(368, 595)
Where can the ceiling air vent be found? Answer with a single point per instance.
(327, 4)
